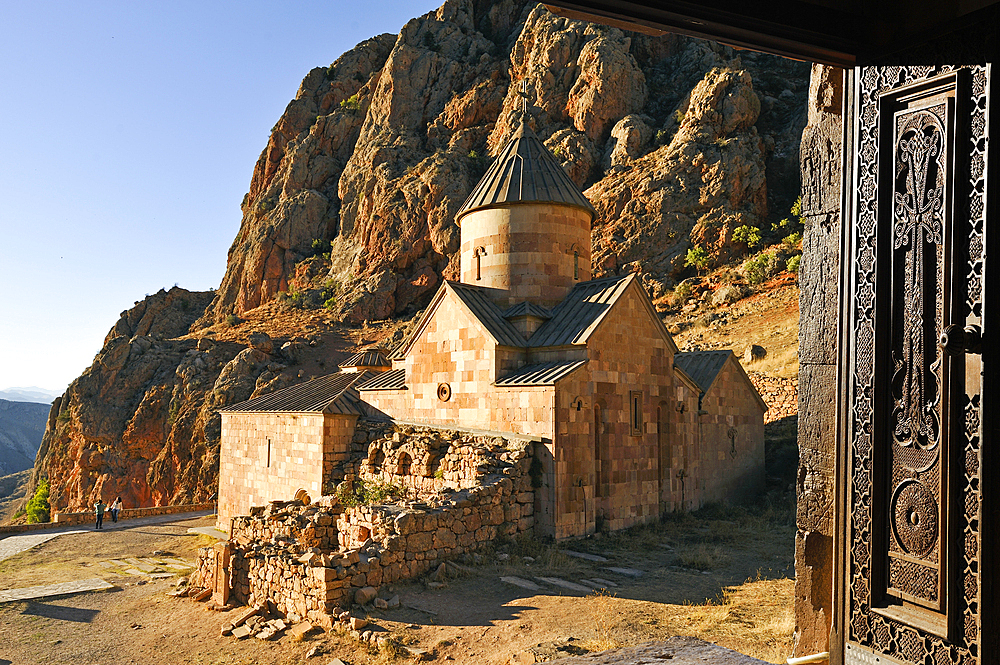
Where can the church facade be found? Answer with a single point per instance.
(527, 345)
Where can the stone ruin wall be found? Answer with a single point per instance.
(309, 560)
(780, 394)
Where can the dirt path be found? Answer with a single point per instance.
(686, 565)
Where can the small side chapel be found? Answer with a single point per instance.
(527, 345)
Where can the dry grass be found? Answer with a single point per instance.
(703, 557)
(754, 618)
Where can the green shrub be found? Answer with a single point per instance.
(439, 474)
(756, 268)
(331, 72)
(662, 136)
(232, 320)
(697, 257)
(678, 116)
(792, 240)
(352, 103)
(38, 507)
(63, 416)
(368, 492)
(321, 247)
(750, 235)
(793, 263)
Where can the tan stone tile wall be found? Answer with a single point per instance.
(454, 349)
(528, 250)
(731, 468)
(269, 456)
(617, 481)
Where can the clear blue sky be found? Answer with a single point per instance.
(128, 135)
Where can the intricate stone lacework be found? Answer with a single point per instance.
(878, 632)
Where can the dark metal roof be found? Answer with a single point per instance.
(580, 311)
(525, 172)
(394, 379)
(541, 374)
(368, 358)
(489, 314)
(702, 366)
(333, 393)
(526, 309)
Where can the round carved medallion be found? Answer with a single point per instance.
(915, 517)
(444, 392)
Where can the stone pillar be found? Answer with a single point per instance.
(222, 553)
(820, 161)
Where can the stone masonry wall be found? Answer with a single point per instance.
(309, 560)
(820, 159)
(781, 395)
(269, 456)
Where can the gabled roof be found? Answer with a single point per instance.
(525, 308)
(394, 379)
(525, 172)
(702, 366)
(585, 307)
(333, 393)
(478, 304)
(369, 358)
(541, 374)
(705, 366)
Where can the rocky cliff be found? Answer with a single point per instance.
(349, 218)
(679, 141)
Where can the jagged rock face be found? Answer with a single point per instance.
(142, 422)
(378, 152)
(678, 141)
(707, 181)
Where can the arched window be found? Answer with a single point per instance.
(376, 459)
(404, 464)
(478, 254)
(602, 463)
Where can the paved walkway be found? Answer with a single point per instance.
(48, 590)
(19, 542)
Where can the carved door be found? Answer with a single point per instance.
(912, 546)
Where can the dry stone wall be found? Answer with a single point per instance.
(780, 394)
(310, 560)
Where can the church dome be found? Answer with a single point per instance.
(525, 172)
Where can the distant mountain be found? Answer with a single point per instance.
(29, 394)
(22, 425)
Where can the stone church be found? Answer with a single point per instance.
(526, 346)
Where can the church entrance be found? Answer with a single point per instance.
(911, 463)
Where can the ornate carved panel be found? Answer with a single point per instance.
(913, 441)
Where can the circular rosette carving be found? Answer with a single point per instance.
(915, 517)
(444, 392)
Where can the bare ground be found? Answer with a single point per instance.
(695, 582)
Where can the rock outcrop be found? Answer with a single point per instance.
(677, 139)
(349, 217)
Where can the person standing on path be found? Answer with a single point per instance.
(116, 508)
(99, 511)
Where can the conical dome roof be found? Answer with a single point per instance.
(525, 172)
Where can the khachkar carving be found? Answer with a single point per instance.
(908, 497)
(918, 267)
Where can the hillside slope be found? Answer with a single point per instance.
(22, 425)
(348, 224)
